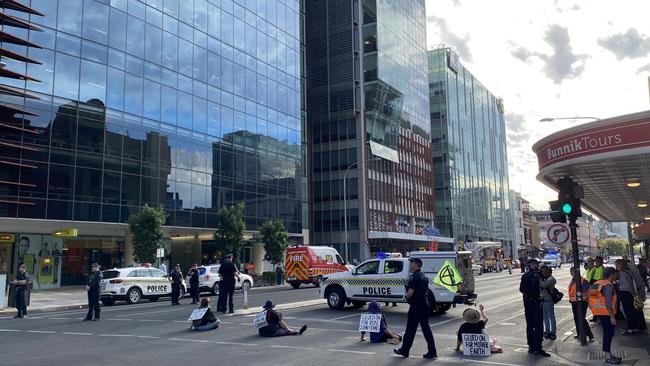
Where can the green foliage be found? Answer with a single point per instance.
(230, 231)
(268, 277)
(614, 246)
(146, 227)
(274, 237)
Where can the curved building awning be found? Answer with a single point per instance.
(610, 158)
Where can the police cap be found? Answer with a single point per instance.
(532, 261)
(96, 265)
(417, 261)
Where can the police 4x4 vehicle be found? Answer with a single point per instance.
(384, 279)
(135, 283)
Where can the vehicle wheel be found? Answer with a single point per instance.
(336, 299)
(154, 298)
(215, 288)
(182, 294)
(295, 285)
(133, 296)
(319, 281)
(358, 304)
(108, 302)
(436, 308)
(246, 286)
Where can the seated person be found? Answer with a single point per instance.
(474, 324)
(208, 321)
(276, 327)
(384, 334)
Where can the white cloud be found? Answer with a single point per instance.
(630, 44)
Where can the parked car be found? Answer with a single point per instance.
(611, 262)
(552, 260)
(209, 280)
(132, 284)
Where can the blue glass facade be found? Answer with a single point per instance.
(469, 154)
(192, 104)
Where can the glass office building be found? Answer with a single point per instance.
(469, 154)
(189, 104)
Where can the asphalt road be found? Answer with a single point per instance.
(157, 333)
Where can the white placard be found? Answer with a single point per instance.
(198, 314)
(259, 320)
(160, 253)
(476, 345)
(370, 323)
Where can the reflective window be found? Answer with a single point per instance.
(95, 21)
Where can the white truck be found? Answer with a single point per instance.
(384, 280)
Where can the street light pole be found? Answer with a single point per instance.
(345, 203)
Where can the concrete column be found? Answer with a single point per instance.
(258, 253)
(128, 248)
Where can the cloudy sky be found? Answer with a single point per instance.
(549, 58)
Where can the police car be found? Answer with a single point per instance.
(134, 283)
(209, 280)
(384, 279)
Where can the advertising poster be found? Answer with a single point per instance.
(42, 257)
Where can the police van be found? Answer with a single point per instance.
(385, 278)
(132, 284)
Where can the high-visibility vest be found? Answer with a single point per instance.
(597, 299)
(572, 291)
(598, 273)
(589, 274)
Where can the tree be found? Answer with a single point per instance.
(613, 246)
(146, 227)
(230, 230)
(274, 237)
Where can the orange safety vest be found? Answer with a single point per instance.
(572, 291)
(597, 299)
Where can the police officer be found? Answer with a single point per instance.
(21, 282)
(416, 295)
(177, 278)
(194, 283)
(530, 289)
(228, 272)
(92, 287)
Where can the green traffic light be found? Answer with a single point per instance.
(566, 208)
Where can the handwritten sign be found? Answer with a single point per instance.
(259, 320)
(476, 345)
(370, 323)
(198, 314)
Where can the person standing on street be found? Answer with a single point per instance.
(177, 279)
(530, 289)
(589, 270)
(602, 302)
(279, 275)
(228, 272)
(577, 313)
(522, 263)
(547, 282)
(626, 292)
(21, 282)
(416, 296)
(194, 283)
(92, 287)
(163, 267)
(598, 270)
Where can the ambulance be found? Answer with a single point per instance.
(383, 279)
(310, 264)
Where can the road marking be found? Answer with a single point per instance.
(463, 360)
(41, 331)
(77, 333)
(148, 337)
(245, 324)
(61, 318)
(508, 318)
(348, 351)
(147, 320)
(238, 344)
(125, 320)
(10, 330)
(343, 317)
(188, 340)
(117, 335)
(293, 347)
(150, 312)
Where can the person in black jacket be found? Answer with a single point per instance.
(228, 272)
(530, 289)
(92, 286)
(194, 283)
(208, 321)
(21, 282)
(177, 278)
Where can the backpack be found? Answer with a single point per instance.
(556, 296)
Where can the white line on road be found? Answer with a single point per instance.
(41, 331)
(117, 335)
(10, 330)
(508, 318)
(343, 317)
(125, 320)
(146, 320)
(293, 347)
(61, 318)
(347, 351)
(77, 333)
(188, 340)
(148, 337)
(462, 360)
(151, 312)
(238, 344)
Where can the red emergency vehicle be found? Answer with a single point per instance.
(309, 264)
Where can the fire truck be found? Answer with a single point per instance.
(310, 264)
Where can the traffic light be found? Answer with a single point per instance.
(568, 202)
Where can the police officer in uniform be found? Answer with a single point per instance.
(416, 295)
(21, 282)
(177, 278)
(92, 286)
(531, 291)
(194, 283)
(228, 272)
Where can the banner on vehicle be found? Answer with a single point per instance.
(448, 276)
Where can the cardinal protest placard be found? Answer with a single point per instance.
(198, 314)
(370, 323)
(476, 344)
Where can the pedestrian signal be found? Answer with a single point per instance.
(448, 276)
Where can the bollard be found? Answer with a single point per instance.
(245, 297)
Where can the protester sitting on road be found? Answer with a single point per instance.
(276, 327)
(547, 283)
(474, 324)
(603, 304)
(384, 334)
(208, 321)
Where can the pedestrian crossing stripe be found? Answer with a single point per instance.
(366, 282)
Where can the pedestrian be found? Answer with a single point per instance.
(276, 327)
(279, 275)
(20, 287)
(228, 272)
(643, 272)
(474, 324)
(509, 265)
(163, 267)
(176, 277)
(580, 309)
(531, 291)
(384, 334)
(598, 270)
(547, 283)
(416, 296)
(92, 287)
(522, 263)
(193, 274)
(626, 292)
(251, 269)
(602, 302)
(589, 270)
(208, 321)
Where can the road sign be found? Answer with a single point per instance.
(558, 234)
